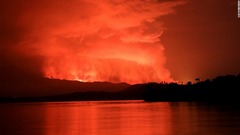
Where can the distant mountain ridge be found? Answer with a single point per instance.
(46, 87)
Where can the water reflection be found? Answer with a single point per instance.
(117, 117)
(107, 118)
(199, 119)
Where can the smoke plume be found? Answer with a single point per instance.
(102, 40)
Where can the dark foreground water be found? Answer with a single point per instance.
(117, 118)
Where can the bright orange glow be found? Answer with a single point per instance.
(115, 41)
(114, 64)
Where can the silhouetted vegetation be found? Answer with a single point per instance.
(222, 89)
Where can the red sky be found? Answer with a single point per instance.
(203, 40)
(118, 41)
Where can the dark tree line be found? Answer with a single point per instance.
(220, 89)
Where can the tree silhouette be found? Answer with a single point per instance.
(197, 79)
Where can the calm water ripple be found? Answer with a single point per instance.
(117, 118)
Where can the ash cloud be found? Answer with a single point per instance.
(107, 40)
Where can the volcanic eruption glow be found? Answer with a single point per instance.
(107, 40)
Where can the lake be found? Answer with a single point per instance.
(126, 117)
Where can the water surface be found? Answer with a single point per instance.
(117, 118)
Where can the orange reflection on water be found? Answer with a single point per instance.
(108, 117)
(70, 119)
